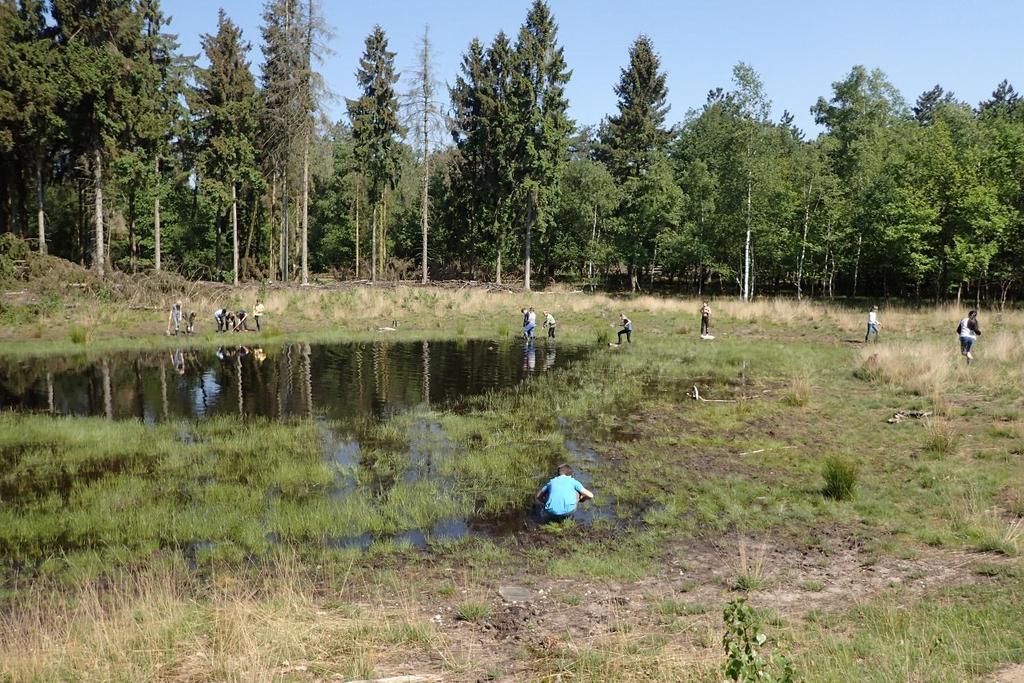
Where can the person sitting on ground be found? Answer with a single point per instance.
(190, 324)
(873, 324)
(221, 316)
(549, 323)
(705, 319)
(240, 324)
(174, 319)
(257, 313)
(562, 494)
(627, 329)
(969, 332)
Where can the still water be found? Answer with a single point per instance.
(341, 387)
(332, 381)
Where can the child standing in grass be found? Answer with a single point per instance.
(873, 324)
(969, 332)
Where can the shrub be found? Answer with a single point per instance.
(78, 334)
(604, 337)
(943, 439)
(840, 478)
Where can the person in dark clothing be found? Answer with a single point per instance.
(969, 331)
(190, 324)
(705, 319)
(240, 324)
(627, 329)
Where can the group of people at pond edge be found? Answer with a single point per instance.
(967, 330)
(227, 320)
(530, 323)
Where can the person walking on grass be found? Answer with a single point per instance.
(549, 323)
(257, 313)
(873, 324)
(174, 319)
(562, 495)
(627, 329)
(705, 319)
(969, 332)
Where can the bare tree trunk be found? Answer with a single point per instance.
(531, 216)
(746, 249)
(305, 212)
(156, 220)
(133, 246)
(373, 242)
(497, 262)
(273, 217)
(856, 264)
(284, 228)
(425, 202)
(40, 210)
(108, 401)
(358, 191)
(593, 242)
(234, 231)
(382, 247)
(97, 181)
(803, 241)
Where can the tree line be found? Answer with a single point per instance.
(117, 151)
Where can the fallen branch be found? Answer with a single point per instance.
(762, 450)
(695, 395)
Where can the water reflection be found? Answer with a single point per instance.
(333, 381)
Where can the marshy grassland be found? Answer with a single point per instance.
(222, 549)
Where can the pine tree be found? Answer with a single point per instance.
(542, 108)
(376, 130)
(100, 42)
(226, 109)
(637, 134)
(31, 76)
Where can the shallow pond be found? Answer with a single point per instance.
(333, 381)
(355, 451)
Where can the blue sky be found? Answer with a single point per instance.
(799, 48)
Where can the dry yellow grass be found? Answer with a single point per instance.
(150, 628)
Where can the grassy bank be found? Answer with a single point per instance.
(206, 550)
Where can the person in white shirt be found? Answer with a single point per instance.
(532, 322)
(873, 324)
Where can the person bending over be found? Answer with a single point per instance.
(221, 316)
(549, 323)
(562, 494)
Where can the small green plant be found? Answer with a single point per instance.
(840, 478)
(604, 337)
(472, 611)
(743, 641)
(78, 334)
(504, 330)
(798, 392)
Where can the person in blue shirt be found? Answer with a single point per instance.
(562, 494)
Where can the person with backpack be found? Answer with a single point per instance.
(969, 331)
(627, 329)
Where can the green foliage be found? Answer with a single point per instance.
(744, 642)
(840, 478)
(472, 611)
